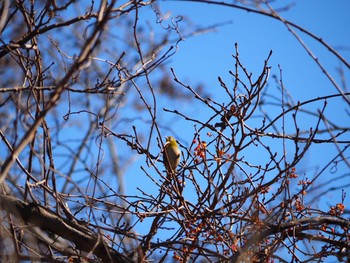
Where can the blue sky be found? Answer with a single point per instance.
(207, 56)
(202, 58)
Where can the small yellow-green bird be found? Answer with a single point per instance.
(171, 155)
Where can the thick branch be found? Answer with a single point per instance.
(41, 217)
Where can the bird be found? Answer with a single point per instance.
(171, 156)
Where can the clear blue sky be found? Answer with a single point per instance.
(204, 57)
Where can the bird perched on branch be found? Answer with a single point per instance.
(171, 156)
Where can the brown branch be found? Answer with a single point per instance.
(81, 236)
(306, 223)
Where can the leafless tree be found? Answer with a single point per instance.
(81, 83)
